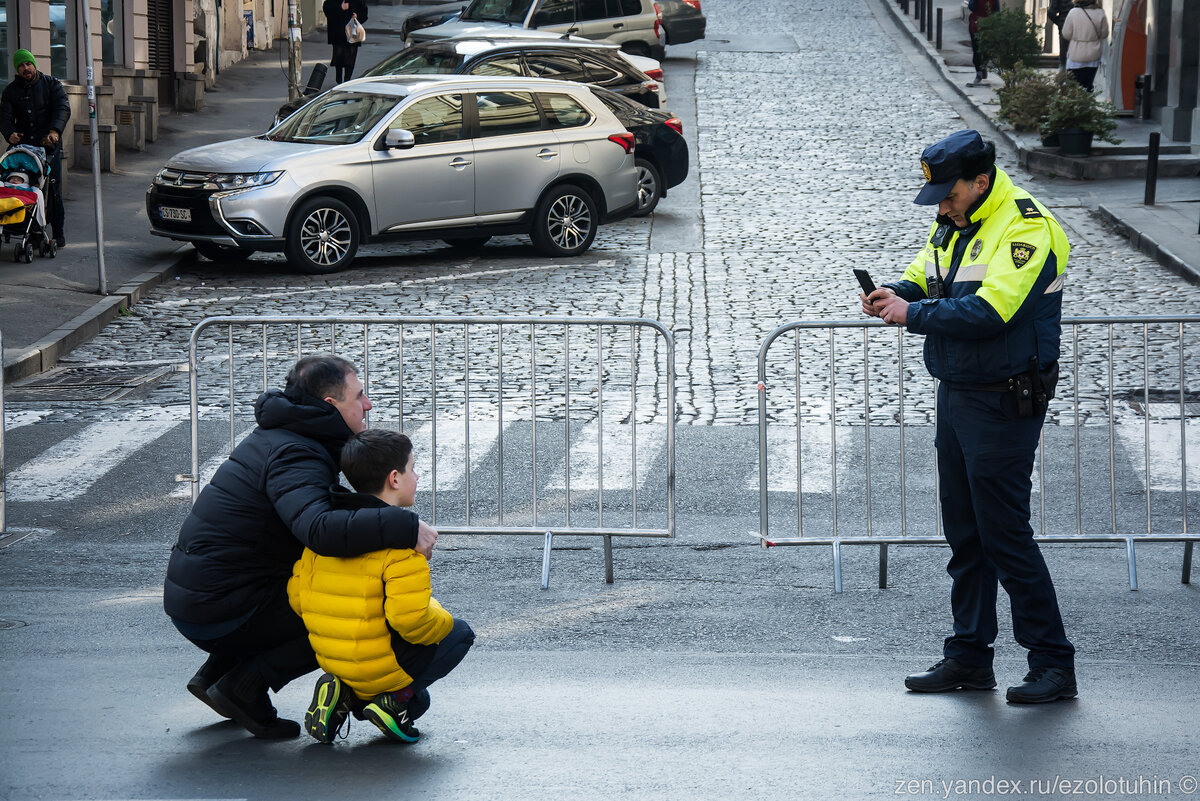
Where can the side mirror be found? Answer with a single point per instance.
(399, 139)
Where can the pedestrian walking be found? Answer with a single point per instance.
(979, 9)
(1057, 13)
(1086, 30)
(339, 14)
(986, 291)
(226, 584)
(34, 111)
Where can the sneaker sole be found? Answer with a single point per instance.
(948, 688)
(326, 696)
(388, 726)
(1065, 695)
(276, 730)
(201, 693)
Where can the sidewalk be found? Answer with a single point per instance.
(53, 305)
(1168, 231)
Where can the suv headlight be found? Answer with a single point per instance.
(241, 180)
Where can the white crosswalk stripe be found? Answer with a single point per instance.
(23, 417)
(618, 464)
(452, 454)
(1166, 455)
(815, 454)
(68, 469)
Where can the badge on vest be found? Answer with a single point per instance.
(1027, 208)
(1022, 253)
(976, 249)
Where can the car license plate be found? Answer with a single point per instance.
(172, 213)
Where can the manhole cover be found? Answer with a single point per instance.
(87, 383)
(11, 624)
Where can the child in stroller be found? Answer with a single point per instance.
(23, 202)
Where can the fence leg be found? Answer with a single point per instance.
(608, 569)
(1132, 563)
(837, 567)
(546, 560)
(883, 557)
(1187, 562)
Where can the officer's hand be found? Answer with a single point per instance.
(14, 138)
(868, 302)
(426, 537)
(892, 310)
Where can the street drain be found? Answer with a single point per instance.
(11, 624)
(87, 383)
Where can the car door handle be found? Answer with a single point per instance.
(618, 25)
(460, 163)
(546, 153)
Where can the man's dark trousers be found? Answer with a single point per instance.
(57, 212)
(985, 463)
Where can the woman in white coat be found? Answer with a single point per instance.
(1086, 30)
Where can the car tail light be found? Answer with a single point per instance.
(675, 124)
(650, 86)
(625, 140)
(657, 22)
(693, 3)
(655, 74)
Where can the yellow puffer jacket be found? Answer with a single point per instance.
(354, 607)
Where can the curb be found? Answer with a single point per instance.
(1148, 245)
(45, 353)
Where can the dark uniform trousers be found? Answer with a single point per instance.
(985, 465)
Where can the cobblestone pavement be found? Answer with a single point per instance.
(808, 165)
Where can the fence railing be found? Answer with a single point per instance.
(521, 425)
(847, 475)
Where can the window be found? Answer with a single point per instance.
(434, 119)
(554, 65)
(506, 66)
(564, 111)
(503, 113)
(62, 40)
(629, 8)
(112, 31)
(337, 118)
(434, 58)
(497, 11)
(554, 12)
(601, 74)
(592, 9)
(8, 39)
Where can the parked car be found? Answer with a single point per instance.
(443, 12)
(579, 60)
(635, 25)
(661, 153)
(682, 21)
(429, 157)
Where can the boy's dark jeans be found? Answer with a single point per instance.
(450, 651)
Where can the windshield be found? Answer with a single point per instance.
(336, 118)
(423, 59)
(512, 11)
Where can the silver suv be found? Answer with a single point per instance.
(635, 25)
(413, 157)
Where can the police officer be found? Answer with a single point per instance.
(986, 291)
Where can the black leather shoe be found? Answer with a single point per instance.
(950, 674)
(214, 668)
(1043, 685)
(242, 694)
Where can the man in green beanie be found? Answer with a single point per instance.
(34, 111)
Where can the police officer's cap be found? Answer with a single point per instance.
(945, 162)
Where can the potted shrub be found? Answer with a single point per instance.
(1008, 37)
(1025, 97)
(1078, 116)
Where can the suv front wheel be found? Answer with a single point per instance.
(565, 222)
(322, 236)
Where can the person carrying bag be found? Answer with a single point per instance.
(346, 34)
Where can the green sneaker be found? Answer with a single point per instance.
(391, 716)
(328, 710)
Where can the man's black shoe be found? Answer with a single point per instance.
(1043, 685)
(242, 694)
(950, 674)
(214, 668)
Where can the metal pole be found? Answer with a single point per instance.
(1152, 169)
(91, 95)
(294, 60)
(929, 21)
(939, 29)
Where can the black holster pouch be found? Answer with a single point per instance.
(1034, 389)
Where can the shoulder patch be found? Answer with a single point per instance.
(1027, 208)
(1022, 253)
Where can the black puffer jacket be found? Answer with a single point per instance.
(337, 19)
(264, 505)
(33, 109)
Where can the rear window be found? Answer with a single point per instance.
(564, 111)
(629, 7)
(421, 60)
(504, 113)
(592, 9)
(497, 10)
(335, 118)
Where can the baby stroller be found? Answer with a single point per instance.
(23, 182)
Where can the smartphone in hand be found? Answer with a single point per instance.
(864, 280)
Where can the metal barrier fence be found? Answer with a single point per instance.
(1106, 409)
(527, 393)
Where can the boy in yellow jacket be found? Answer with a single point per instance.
(373, 623)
